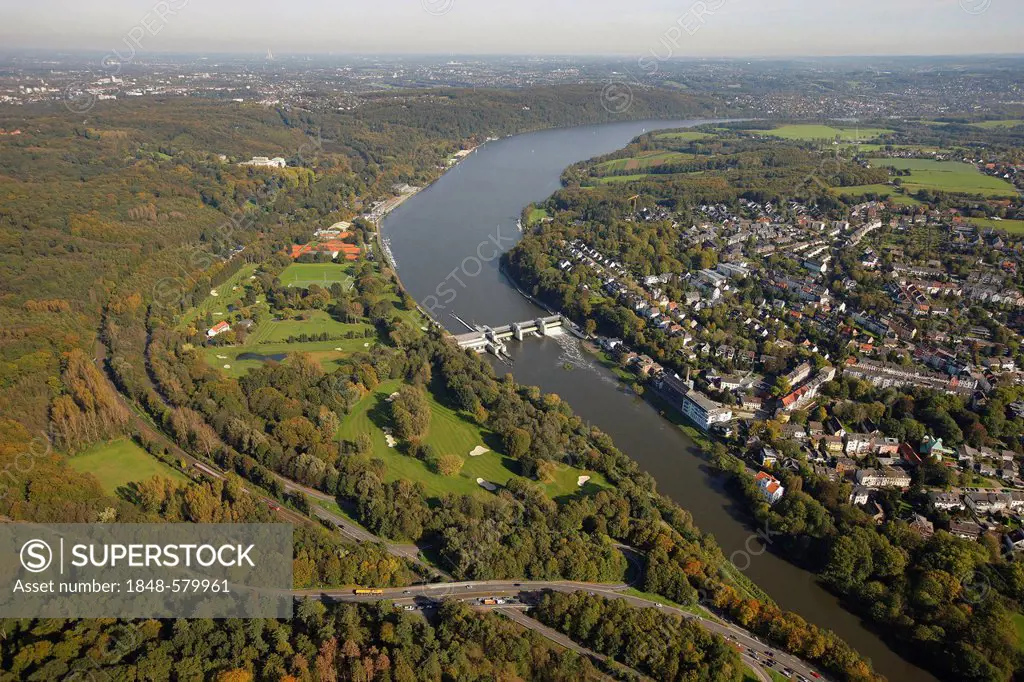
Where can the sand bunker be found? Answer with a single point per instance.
(487, 485)
(227, 366)
(477, 451)
(581, 480)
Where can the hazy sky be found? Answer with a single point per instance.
(664, 28)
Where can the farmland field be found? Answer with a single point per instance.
(449, 434)
(947, 176)
(823, 132)
(121, 462)
(323, 274)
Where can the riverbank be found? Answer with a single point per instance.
(431, 236)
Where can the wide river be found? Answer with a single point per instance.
(444, 241)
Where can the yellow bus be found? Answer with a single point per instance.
(363, 590)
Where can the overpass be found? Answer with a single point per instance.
(492, 339)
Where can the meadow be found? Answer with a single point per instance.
(990, 125)
(947, 176)
(647, 159)
(881, 190)
(120, 462)
(1011, 226)
(682, 136)
(450, 433)
(809, 133)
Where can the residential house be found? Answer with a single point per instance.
(769, 486)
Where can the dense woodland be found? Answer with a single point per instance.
(322, 643)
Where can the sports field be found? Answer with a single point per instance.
(323, 274)
(822, 132)
(449, 434)
(948, 176)
(121, 462)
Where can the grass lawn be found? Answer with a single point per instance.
(235, 361)
(227, 293)
(1011, 226)
(277, 331)
(823, 132)
(947, 176)
(683, 136)
(121, 462)
(536, 215)
(449, 434)
(1018, 623)
(989, 125)
(324, 274)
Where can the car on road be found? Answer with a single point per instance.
(659, 605)
(409, 607)
(405, 592)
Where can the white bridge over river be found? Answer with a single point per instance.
(492, 339)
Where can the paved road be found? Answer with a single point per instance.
(754, 653)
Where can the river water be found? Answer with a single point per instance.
(445, 240)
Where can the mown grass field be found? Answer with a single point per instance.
(1011, 226)
(809, 133)
(232, 360)
(121, 462)
(217, 303)
(536, 215)
(947, 176)
(324, 274)
(449, 433)
(319, 322)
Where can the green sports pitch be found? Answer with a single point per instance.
(323, 274)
